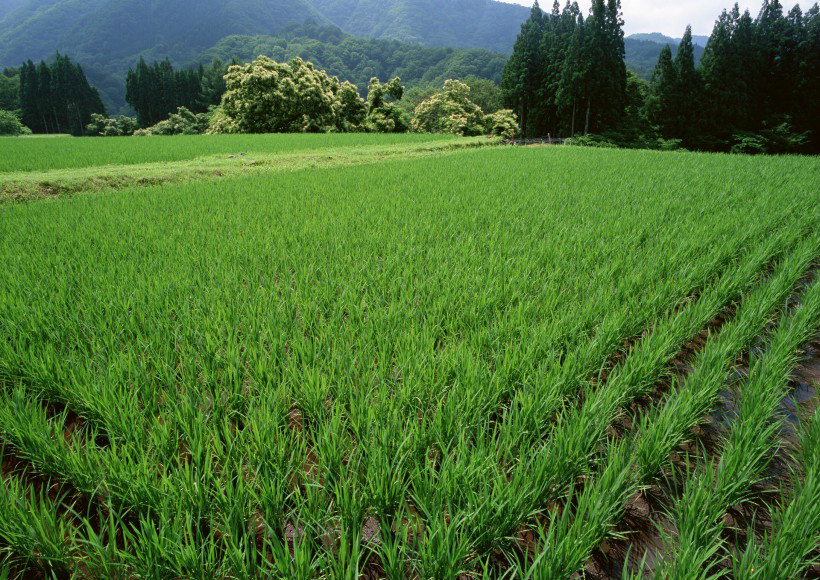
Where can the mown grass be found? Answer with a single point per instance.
(398, 367)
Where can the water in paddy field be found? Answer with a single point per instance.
(804, 385)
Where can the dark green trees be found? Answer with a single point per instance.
(676, 95)
(758, 82)
(567, 74)
(155, 91)
(56, 97)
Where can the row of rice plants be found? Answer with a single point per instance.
(547, 472)
(576, 531)
(791, 547)
(697, 515)
(312, 360)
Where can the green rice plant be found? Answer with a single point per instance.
(791, 547)
(263, 363)
(747, 451)
(574, 534)
(35, 528)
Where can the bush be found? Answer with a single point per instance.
(749, 144)
(183, 122)
(503, 124)
(449, 111)
(101, 126)
(11, 125)
(270, 97)
(383, 115)
(592, 141)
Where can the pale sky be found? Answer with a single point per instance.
(671, 16)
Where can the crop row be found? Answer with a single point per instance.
(311, 372)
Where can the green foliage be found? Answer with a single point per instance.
(484, 92)
(270, 97)
(183, 122)
(567, 74)
(449, 111)
(597, 141)
(642, 55)
(358, 60)
(56, 97)
(101, 126)
(10, 124)
(502, 123)
(9, 92)
(214, 335)
(779, 139)
(156, 91)
(383, 113)
(749, 144)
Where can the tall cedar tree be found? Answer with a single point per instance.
(56, 97)
(660, 106)
(687, 91)
(567, 74)
(157, 90)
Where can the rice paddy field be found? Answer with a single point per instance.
(494, 362)
(39, 154)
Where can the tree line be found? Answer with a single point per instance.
(756, 89)
(157, 90)
(757, 86)
(568, 73)
(56, 97)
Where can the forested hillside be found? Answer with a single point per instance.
(461, 23)
(642, 53)
(358, 60)
(109, 36)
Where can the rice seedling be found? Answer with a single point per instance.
(390, 369)
(573, 535)
(748, 449)
(791, 547)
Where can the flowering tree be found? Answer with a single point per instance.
(449, 111)
(266, 96)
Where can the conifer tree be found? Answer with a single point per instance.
(687, 91)
(661, 103)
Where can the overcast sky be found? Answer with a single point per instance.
(672, 16)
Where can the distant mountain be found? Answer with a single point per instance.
(460, 23)
(108, 36)
(659, 38)
(642, 55)
(358, 59)
(7, 6)
(102, 31)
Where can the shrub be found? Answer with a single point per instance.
(11, 125)
(503, 124)
(592, 141)
(449, 111)
(749, 144)
(266, 96)
(102, 126)
(383, 115)
(183, 122)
